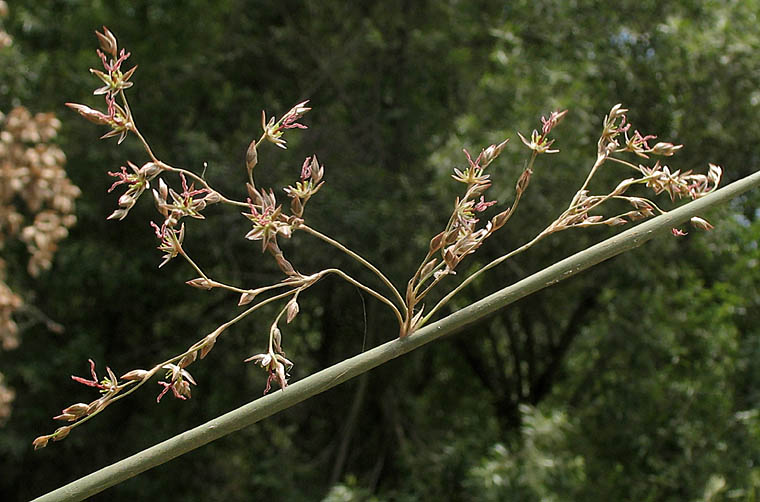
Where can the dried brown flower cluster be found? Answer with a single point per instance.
(5, 39)
(31, 172)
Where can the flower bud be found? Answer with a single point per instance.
(134, 375)
(188, 359)
(292, 310)
(107, 41)
(207, 348)
(615, 221)
(251, 156)
(40, 442)
(150, 170)
(61, 432)
(88, 113)
(665, 149)
(200, 283)
(429, 266)
(247, 297)
(701, 223)
(492, 152)
(436, 243)
(212, 198)
(78, 409)
(118, 214)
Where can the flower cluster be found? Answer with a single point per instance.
(462, 236)
(273, 130)
(137, 182)
(115, 81)
(178, 381)
(267, 218)
(274, 360)
(308, 185)
(109, 387)
(657, 177)
(539, 141)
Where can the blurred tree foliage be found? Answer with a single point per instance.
(635, 381)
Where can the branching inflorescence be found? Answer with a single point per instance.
(269, 222)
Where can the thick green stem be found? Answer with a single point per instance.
(334, 375)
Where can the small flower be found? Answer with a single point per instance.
(554, 119)
(179, 380)
(540, 142)
(638, 143)
(266, 221)
(273, 129)
(171, 241)
(106, 385)
(137, 182)
(677, 232)
(276, 365)
(116, 117)
(114, 80)
(295, 113)
(483, 205)
(473, 174)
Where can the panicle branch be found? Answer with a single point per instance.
(269, 223)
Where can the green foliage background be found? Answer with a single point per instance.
(636, 381)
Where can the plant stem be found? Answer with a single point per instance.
(358, 258)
